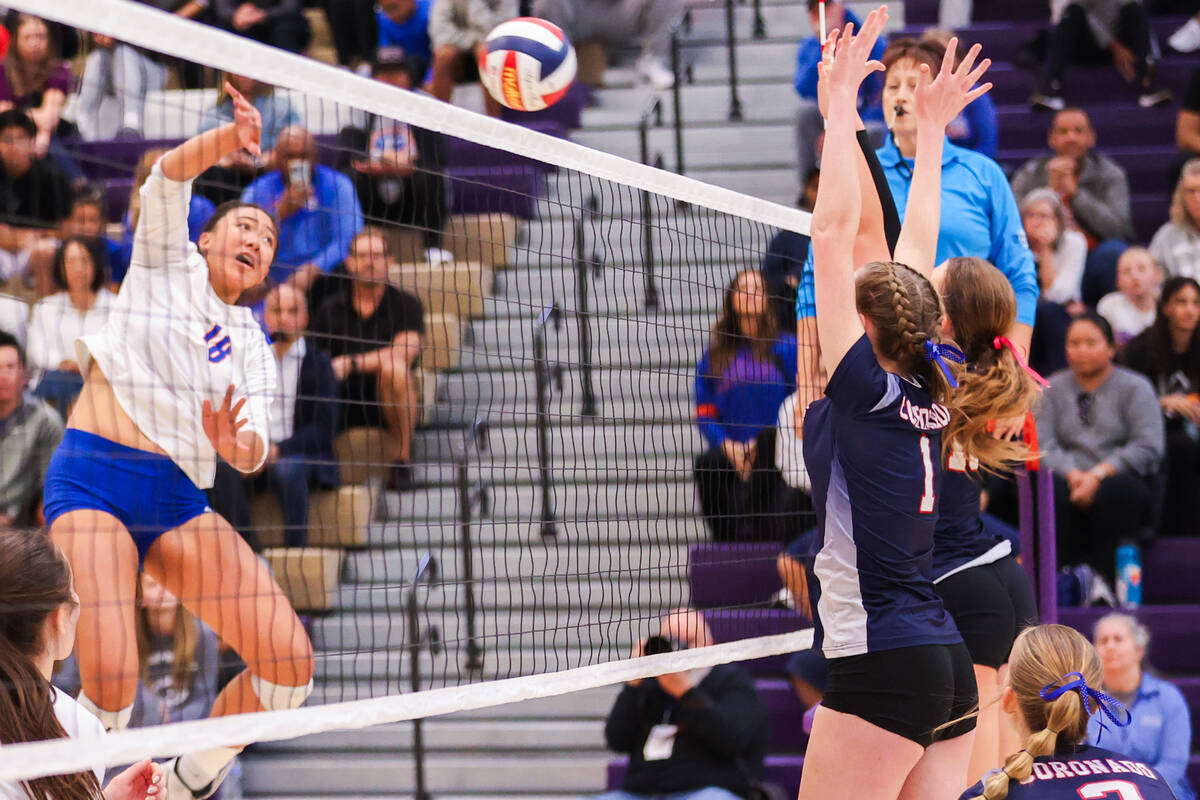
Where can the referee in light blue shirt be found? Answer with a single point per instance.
(979, 213)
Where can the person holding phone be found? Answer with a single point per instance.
(317, 208)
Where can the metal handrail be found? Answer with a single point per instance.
(582, 262)
(545, 373)
(417, 639)
(652, 111)
(468, 497)
(735, 100)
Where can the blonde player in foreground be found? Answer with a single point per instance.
(178, 376)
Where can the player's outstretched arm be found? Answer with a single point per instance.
(203, 150)
(939, 102)
(838, 210)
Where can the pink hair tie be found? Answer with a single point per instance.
(1001, 342)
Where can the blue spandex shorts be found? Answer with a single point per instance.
(147, 492)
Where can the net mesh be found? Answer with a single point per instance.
(566, 297)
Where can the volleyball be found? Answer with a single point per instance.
(528, 64)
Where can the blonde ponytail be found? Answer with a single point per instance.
(1061, 714)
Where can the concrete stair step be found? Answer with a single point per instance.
(516, 389)
(545, 651)
(449, 735)
(486, 532)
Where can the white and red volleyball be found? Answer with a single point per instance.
(528, 64)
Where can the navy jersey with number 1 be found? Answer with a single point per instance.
(1083, 772)
(873, 450)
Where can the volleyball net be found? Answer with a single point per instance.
(566, 298)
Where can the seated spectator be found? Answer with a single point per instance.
(1130, 309)
(14, 317)
(117, 77)
(233, 174)
(373, 332)
(80, 307)
(1096, 32)
(783, 264)
(279, 23)
(457, 29)
(1160, 733)
(316, 206)
(35, 197)
(1168, 353)
(646, 23)
(30, 430)
(355, 32)
(304, 417)
(405, 24)
(39, 611)
(747, 370)
(806, 669)
(1100, 431)
(86, 219)
(1187, 126)
(33, 79)
(400, 181)
(1176, 245)
(688, 737)
(810, 124)
(1060, 254)
(978, 126)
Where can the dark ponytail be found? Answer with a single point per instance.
(35, 581)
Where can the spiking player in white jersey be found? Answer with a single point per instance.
(179, 375)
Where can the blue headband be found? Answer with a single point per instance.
(1074, 682)
(938, 353)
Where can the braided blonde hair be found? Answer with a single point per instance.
(1042, 656)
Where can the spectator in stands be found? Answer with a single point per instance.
(1130, 309)
(1176, 245)
(747, 370)
(373, 332)
(405, 24)
(1100, 431)
(232, 174)
(279, 23)
(30, 430)
(617, 23)
(316, 206)
(399, 182)
(79, 307)
(1092, 32)
(120, 76)
(806, 670)
(35, 196)
(810, 123)
(14, 317)
(1168, 353)
(1160, 733)
(355, 31)
(34, 79)
(1187, 125)
(783, 264)
(699, 735)
(457, 29)
(978, 126)
(1094, 191)
(200, 210)
(304, 417)
(86, 219)
(1060, 254)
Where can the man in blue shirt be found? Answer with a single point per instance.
(316, 206)
(809, 124)
(405, 24)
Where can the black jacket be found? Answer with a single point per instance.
(316, 415)
(722, 738)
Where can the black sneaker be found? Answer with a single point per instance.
(401, 478)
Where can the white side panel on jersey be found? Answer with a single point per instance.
(843, 615)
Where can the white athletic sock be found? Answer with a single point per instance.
(198, 769)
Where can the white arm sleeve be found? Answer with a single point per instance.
(161, 238)
(260, 388)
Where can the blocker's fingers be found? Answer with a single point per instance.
(979, 72)
(978, 92)
(968, 61)
(950, 59)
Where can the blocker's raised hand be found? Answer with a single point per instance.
(846, 60)
(941, 99)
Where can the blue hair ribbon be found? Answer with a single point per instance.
(1075, 682)
(938, 353)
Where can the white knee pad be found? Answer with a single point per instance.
(111, 720)
(274, 697)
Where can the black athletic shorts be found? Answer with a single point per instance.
(910, 691)
(990, 604)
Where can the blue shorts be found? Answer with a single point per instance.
(147, 492)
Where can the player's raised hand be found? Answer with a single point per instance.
(942, 98)
(247, 120)
(222, 425)
(846, 58)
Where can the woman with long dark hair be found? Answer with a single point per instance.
(1168, 353)
(744, 376)
(38, 614)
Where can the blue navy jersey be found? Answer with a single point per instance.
(873, 450)
(960, 540)
(1083, 772)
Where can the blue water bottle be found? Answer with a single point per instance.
(1129, 576)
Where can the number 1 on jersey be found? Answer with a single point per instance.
(927, 499)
